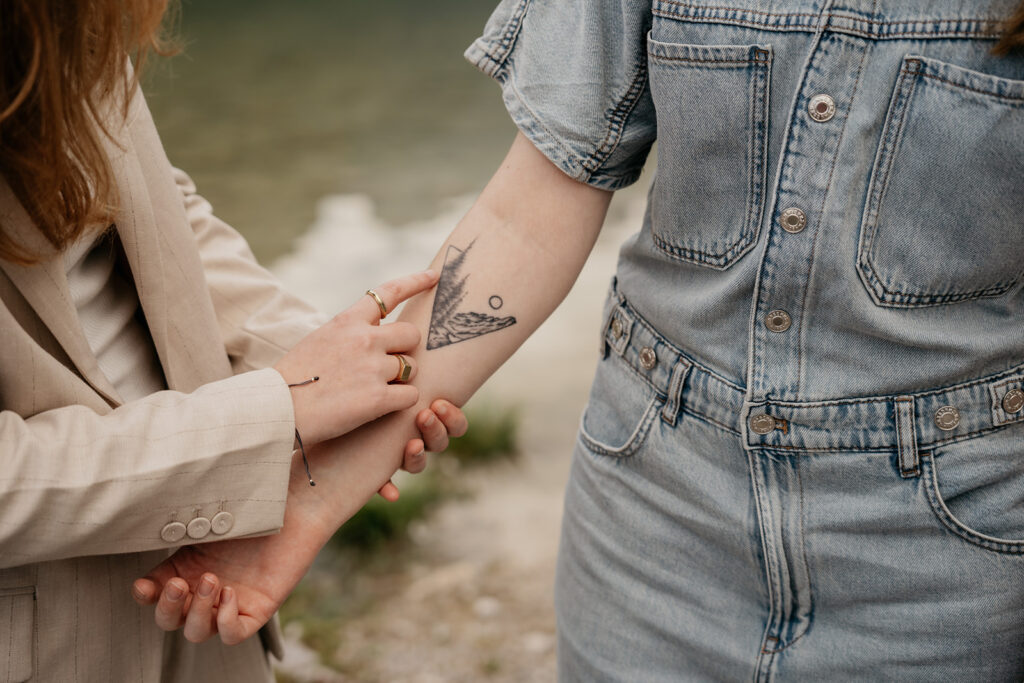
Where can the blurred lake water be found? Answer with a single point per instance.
(273, 106)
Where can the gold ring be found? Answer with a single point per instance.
(380, 303)
(404, 369)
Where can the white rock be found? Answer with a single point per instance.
(538, 643)
(486, 607)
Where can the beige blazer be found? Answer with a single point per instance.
(92, 488)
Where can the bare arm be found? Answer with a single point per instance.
(504, 269)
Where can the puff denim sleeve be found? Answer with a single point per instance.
(587, 109)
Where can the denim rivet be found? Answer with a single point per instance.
(648, 359)
(616, 328)
(762, 424)
(778, 321)
(947, 418)
(821, 108)
(793, 220)
(1013, 401)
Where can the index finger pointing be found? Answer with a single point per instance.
(392, 293)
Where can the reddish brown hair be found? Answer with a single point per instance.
(1013, 33)
(63, 62)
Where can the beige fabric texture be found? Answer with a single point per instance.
(87, 482)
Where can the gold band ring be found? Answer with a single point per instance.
(380, 303)
(404, 368)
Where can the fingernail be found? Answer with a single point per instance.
(227, 595)
(137, 593)
(430, 272)
(441, 409)
(205, 587)
(419, 455)
(430, 421)
(174, 592)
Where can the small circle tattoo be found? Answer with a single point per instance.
(496, 302)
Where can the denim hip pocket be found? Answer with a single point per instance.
(976, 489)
(621, 409)
(711, 103)
(944, 216)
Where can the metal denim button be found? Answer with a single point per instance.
(648, 359)
(762, 424)
(173, 532)
(793, 220)
(1013, 401)
(821, 108)
(947, 418)
(778, 321)
(616, 328)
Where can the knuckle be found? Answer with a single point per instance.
(388, 291)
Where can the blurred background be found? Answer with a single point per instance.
(345, 140)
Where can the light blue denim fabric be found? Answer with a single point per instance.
(802, 458)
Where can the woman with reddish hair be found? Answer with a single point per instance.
(155, 381)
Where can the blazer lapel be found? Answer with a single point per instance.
(140, 238)
(45, 287)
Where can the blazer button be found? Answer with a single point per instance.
(173, 532)
(222, 522)
(198, 527)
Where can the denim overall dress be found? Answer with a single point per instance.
(803, 455)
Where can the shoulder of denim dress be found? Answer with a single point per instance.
(573, 75)
(873, 19)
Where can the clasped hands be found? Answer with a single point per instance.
(232, 588)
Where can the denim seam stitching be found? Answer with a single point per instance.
(704, 417)
(999, 416)
(755, 203)
(1019, 99)
(690, 60)
(821, 210)
(508, 38)
(658, 338)
(617, 121)
(571, 156)
(885, 293)
(890, 141)
(906, 438)
(881, 449)
(635, 440)
(739, 15)
(950, 521)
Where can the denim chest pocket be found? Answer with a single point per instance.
(976, 489)
(944, 219)
(621, 409)
(711, 103)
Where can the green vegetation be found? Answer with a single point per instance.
(380, 521)
(377, 536)
(492, 435)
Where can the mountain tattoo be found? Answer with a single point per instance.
(449, 325)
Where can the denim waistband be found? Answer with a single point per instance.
(904, 424)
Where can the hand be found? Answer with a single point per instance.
(353, 357)
(232, 588)
(442, 420)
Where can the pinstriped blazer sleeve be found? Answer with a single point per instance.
(259, 320)
(122, 476)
